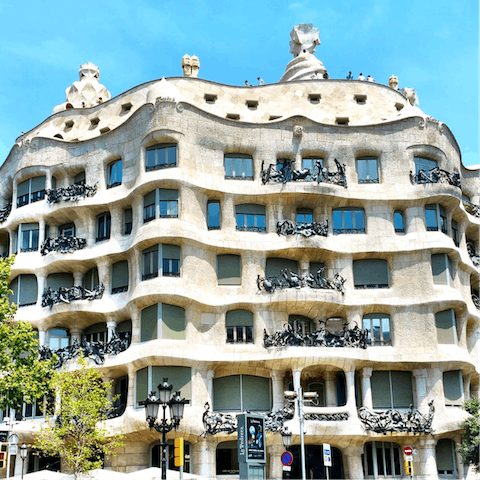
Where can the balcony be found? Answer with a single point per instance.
(470, 208)
(317, 174)
(472, 253)
(5, 212)
(287, 227)
(52, 297)
(289, 279)
(62, 244)
(71, 193)
(476, 300)
(391, 420)
(435, 175)
(288, 337)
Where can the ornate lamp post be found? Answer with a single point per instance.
(23, 455)
(152, 405)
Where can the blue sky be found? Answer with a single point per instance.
(431, 46)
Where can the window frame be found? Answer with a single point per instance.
(114, 173)
(352, 211)
(67, 336)
(220, 269)
(238, 333)
(127, 225)
(211, 223)
(372, 449)
(396, 214)
(301, 216)
(169, 206)
(246, 218)
(383, 321)
(32, 195)
(447, 266)
(158, 164)
(455, 232)
(157, 261)
(393, 389)
(368, 170)
(103, 226)
(360, 286)
(440, 218)
(241, 161)
(443, 338)
(124, 287)
(162, 328)
(424, 163)
(30, 235)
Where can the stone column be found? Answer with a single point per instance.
(367, 400)
(330, 390)
(41, 286)
(415, 220)
(420, 376)
(104, 275)
(77, 278)
(303, 267)
(271, 220)
(75, 335)
(42, 337)
(274, 453)
(131, 387)
(116, 214)
(466, 387)
(137, 214)
(111, 330)
(277, 389)
(41, 232)
(352, 459)
(228, 214)
(210, 375)
(203, 460)
(136, 319)
(425, 464)
(350, 387)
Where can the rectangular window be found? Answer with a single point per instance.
(367, 170)
(103, 226)
(127, 221)
(37, 188)
(238, 167)
(168, 201)
(120, 276)
(371, 273)
(162, 321)
(398, 222)
(436, 218)
(25, 290)
(114, 174)
(31, 190)
(66, 230)
(391, 389)
(213, 215)
(239, 326)
(79, 178)
(29, 235)
(150, 263)
(442, 269)
(445, 324)
(149, 201)
(424, 164)
(161, 156)
(348, 220)
(378, 327)
(455, 234)
(229, 270)
(453, 387)
(304, 215)
(170, 260)
(91, 280)
(250, 218)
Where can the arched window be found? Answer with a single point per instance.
(301, 325)
(213, 215)
(424, 164)
(446, 458)
(398, 222)
(453, 387)
(239, 325)
(31, 190)
(161, 156)
(114, 174)
(445, 322)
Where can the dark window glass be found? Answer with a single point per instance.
(304, 215)
(114, 174)
(161, 156)
(213, 215)
(120, 276)
(127, 221)
(103, 226)
(424, 164)
(398, 222)
(239, 326)
(455, 234)
(371, 273)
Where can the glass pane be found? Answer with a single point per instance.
(238, 167)
(386, 331)
(248, 167)
(228, 167)
(141, 391)
(380, 466)
(150, 158)
(362, 169)
(372, 170)
(226, 393)
(388, 459)
(431, 217)
(256, 393)
(173, 206)
(240, 220)
(359, 220)
(213, 215)
(250, 220)
(148, 330)
(337, 220)
(398, 221)
(260, 221)
(173, 322)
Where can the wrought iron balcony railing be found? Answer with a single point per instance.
(52, 297)
(117, 410)
(289, 279)
(71, 193)
(472, 253)
(348, 337)
(62, 244)
(396, 421)
(287, 227)
(471, 208)
(317, 174)
(94, 350)
(435, 175)
(5, 212)
(476, 300)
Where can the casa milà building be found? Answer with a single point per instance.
(244, 241)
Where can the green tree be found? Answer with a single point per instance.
(23, 377)
(469, 449)
(78, 433)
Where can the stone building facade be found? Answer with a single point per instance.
(244, 241)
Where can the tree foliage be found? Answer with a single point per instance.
(23, 377)
(469, 449)
(78, 433)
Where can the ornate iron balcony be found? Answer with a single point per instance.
(117, 410)
(395, 421)
(5, 212)
(348, 337)
(287, 227)
(71, 193)
(470, 207)
(246, 228)
(52, 297)
(476, 300)
(94, 350)
(62, 244)
(289, 279)
(435, 175)
(317, 174)
(472, 253)
(120, 289)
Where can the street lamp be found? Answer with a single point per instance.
(23, 455)
(176, 405)
(286, 438)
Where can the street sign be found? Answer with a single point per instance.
(287, 458)
(408, 450)
(327, 455)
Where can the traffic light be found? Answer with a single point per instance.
(3, 455)
(178, 452)
(408, 468)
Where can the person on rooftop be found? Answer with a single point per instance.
(349, 76)
(361, 77)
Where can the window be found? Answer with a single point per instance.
(24, 288)
(239, 325)
(435, 218)
(382, 459)
(371, 273)
(442, 269)
(250, 218)
(90, 279)
(314, 98)
(58, 338)
(348, 220)
(238, 393)
(367, 170)
(379, 329)
(164, 255)
(96, 333)
(361, 99)
(312, 164)
(238, 166)
(453, 387)
(445, 323)
(213, 215)
(79, 178)
(455, 234)
(30, 191)
(66, 230)
(103, 226)
(304, 215)
(162, 321)
(301, 325)
(120, 276)
(446, 458)
(229, 269)
(156, 456)
(161, 156)
(148, 378)
(227, 458)
(274, 266)
(127, 221)
(314, 267)
(160, 203)
(57, 280)
(29, 235)
(424, 164)
(398, 222)
(114, 174)
(391, 389)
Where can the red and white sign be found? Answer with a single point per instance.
(408, 451)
